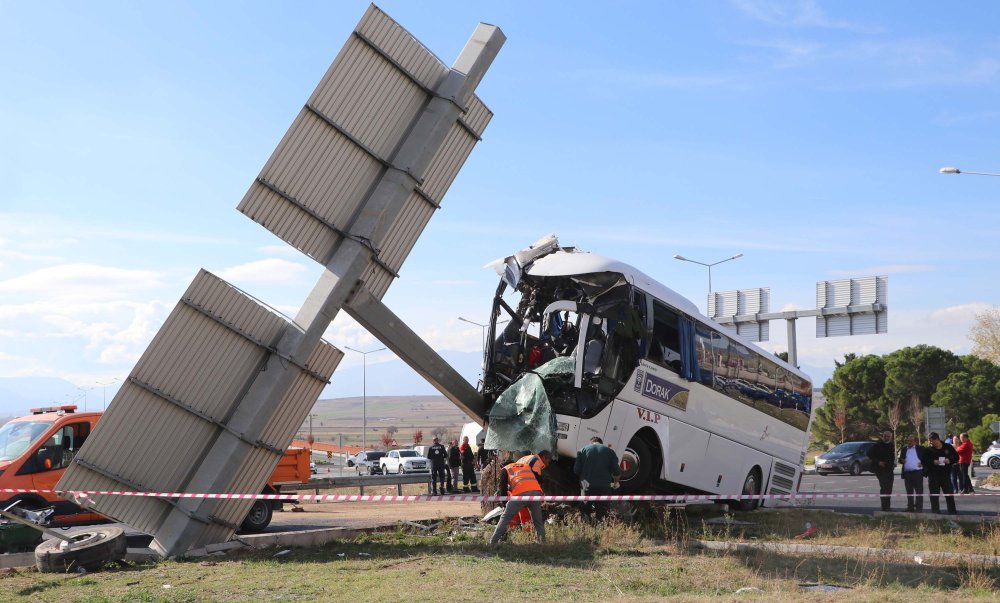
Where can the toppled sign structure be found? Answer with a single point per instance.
(220, 391)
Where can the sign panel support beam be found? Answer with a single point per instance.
(380, 321)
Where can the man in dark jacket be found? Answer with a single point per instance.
(454, 464)
(438, 456)
(912, 472)
(938, 460)
(598, 471)
(883, 456)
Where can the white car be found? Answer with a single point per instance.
(367, 462)
(991, 458)
(405, 461)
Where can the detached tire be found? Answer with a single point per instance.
(258, 518)
(92, 548)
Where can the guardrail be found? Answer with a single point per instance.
(361, 481)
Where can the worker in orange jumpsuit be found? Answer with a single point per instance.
(520, 478)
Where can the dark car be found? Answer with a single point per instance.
(849, 457)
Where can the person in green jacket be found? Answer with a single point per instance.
(598, 471)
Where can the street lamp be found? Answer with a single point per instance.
(484, 327)
(104, 389)
(364, 394)
(955, 170)
(84, 390)
(709, 266)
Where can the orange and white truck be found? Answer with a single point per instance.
(36, 449)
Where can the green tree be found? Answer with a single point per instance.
(982, 435)
(854, 400)
(969, 393)
(912, 375)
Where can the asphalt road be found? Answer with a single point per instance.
(967, 505)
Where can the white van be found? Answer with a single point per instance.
(475, 433)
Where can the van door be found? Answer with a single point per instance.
(54, 455)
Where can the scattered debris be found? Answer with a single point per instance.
(919, 560)
(81, 570)
(364, 554)
(167, 586)
(823, 588)
(282, 553)
(727, 520)
(747, 589)
(809, 533)
(952, 524)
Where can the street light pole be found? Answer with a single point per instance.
(364, 393)
(104, 390)
(709, 266)
(955, 170)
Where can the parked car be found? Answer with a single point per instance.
(991, 456)
(368, 462)
(405, 461)
(849, 457)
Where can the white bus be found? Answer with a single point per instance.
(687, 406)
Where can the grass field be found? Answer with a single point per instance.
(342, 418)
(649, 561)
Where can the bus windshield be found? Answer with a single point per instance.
(18, 436)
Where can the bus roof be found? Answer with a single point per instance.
(571, 261)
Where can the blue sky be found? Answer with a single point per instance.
(806, 135)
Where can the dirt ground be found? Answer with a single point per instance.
(369, 514)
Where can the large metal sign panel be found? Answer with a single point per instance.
(343, 141)
(724, 306)
(219, 393)
(177, 400)
(857, 306)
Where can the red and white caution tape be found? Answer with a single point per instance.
(669, 498)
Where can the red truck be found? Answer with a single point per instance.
(36, 449)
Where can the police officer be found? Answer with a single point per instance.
(438, 456)
(883, 456)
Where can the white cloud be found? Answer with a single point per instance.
(77, 282)
(804, 13)
(271, 271)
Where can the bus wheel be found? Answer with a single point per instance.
(258, 518)
(637, 465)
(751, 487)
(91, 549)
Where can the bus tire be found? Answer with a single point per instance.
(258, 518)
(751, 487)
(644, 456)
(92, 548)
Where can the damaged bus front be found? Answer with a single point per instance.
(593, 347)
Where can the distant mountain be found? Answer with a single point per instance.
(20, 394)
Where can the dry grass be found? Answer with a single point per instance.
(642, 561)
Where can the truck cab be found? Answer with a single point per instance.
(36, 449)
(34, 452)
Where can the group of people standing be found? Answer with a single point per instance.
(448, 462)
(946, 467)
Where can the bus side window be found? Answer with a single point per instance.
(666, 344)
(703, 347)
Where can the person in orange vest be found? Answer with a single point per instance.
(520, 478)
